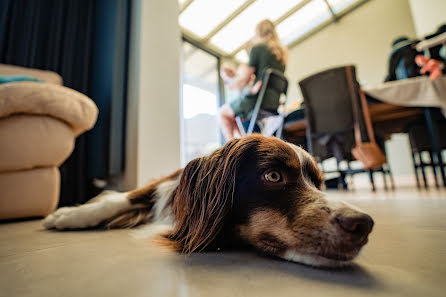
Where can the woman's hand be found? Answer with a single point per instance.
(243, 79)
(434, 67)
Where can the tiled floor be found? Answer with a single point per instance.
(406, 256)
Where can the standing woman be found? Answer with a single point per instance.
(266, 52)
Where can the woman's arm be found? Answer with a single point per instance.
(243, 79)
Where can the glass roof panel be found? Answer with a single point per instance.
(340, 5)
(305, 19)
(241, 29)
(202, 16)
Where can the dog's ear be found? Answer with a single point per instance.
(204, 196)
(311, 170)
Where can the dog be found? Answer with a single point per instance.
(253, 192)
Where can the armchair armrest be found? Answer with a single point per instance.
(65, 104)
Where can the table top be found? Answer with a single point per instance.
(418, 91)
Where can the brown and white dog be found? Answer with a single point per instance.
(254, 191)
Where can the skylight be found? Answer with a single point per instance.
(225, 26)
(303, 21)
(202, 16)
(242, 28)
(340, 5)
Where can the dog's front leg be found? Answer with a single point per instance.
(101, 208)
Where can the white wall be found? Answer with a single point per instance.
(428, 15)
(153, 116)
(362, 38)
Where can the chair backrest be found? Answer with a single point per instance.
(328, 108)
(275, 80)
(272, 80)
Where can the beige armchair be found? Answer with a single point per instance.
(39, 122)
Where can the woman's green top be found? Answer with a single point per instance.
(261, 58)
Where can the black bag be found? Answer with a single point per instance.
(402, 60)
(434, 52)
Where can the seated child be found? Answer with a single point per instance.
(230, 75)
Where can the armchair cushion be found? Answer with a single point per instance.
(65, 104)
(31, 141)
(29, 193)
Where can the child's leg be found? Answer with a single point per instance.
(228, 123)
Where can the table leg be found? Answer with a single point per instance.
(433, 134)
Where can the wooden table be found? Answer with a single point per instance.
(421, 92)
(386, 118)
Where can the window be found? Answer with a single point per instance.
(200, 102)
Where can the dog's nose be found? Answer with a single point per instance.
(357, 224)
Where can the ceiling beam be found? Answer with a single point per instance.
(333, 14)
(185, 5)
(232, 16)
(291, 11)
(194, 40)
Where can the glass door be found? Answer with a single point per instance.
(200, 102)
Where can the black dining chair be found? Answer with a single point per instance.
(330, 120)
(421, 144)
(273, 82)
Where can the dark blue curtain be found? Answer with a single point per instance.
(108, 87)
(86, 42)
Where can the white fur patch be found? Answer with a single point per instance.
(162, 195)
(151, 230)
(90, 214)
(313, 260)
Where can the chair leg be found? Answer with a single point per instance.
(372, 181)
(392, 182)
(383, 171)
(279, 132)
(341, 177)
(422, 165)
(415, 169)
(240, 126)
(432, 129)
(351, 175)
(434, 168)
(441, 166)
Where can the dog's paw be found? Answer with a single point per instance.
(70, 218)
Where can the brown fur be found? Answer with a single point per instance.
(205, 193)
(311, 170)
(271, 223)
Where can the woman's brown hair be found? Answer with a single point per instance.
(266, 33)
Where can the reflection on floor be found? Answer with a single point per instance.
(406, 256)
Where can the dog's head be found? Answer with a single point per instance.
(266, 193)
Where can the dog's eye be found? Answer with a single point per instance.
(272, 176)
